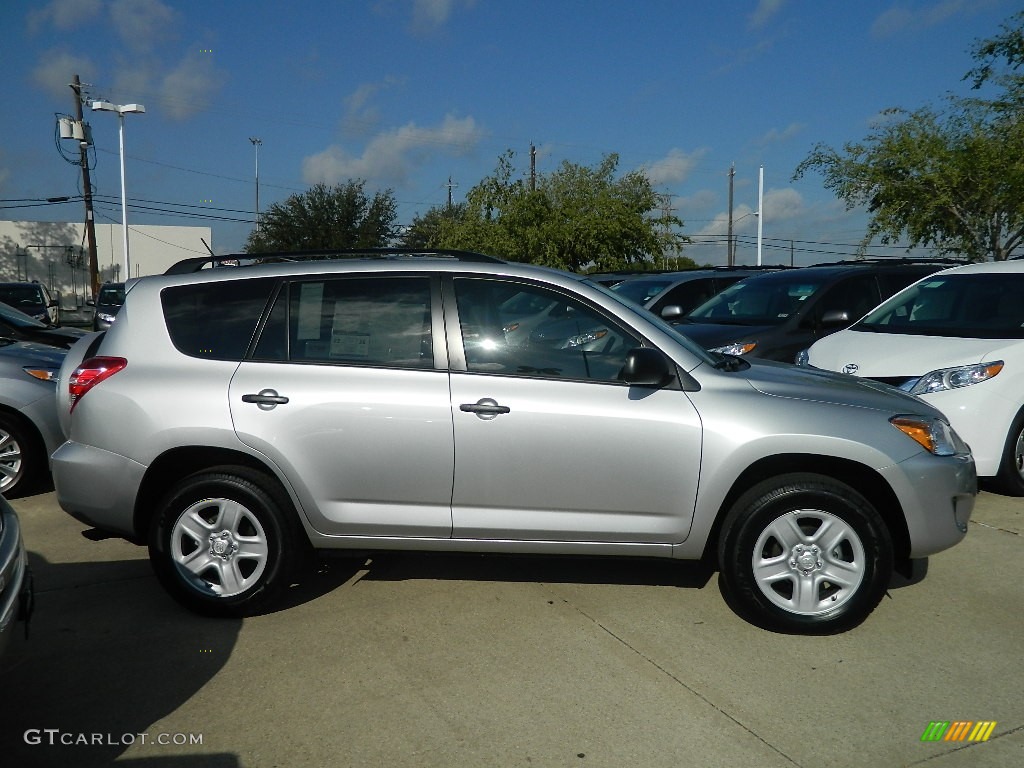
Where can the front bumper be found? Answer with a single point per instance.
(937, 494)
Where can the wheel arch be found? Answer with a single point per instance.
(37, 446)
(866, 481)
(177, 464)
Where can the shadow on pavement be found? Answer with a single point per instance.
(392, 566)
(108, 655)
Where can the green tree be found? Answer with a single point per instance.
(574, 218)
(951, 178)
(326, 217)
(425, 231)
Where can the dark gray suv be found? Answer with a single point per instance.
(239, 419)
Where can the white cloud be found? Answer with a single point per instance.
(361, 115)
(765, 11)
(430, 14)
(902, 17)
(58, 69)
(776, 136)
(674, 167)
(188, 88)
(390, 156)
(141, 23)
(64, 14)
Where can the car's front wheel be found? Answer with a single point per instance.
(804, 553)
(22, 457)
(225, 542)
(1010, 479)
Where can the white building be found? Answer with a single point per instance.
(54, 253)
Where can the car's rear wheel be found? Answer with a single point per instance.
(1010, 479)
(225, 542)
(804, 553)
(21, 458)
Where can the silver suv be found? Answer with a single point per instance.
(238, 419)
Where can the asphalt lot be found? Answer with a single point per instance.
(414, 660)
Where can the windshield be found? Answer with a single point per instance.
(111, 294)
(964, 306)
(21, 296)
(766, 301)
(641, 291)
(12, 316)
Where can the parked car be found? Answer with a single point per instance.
(34, 299)
(16, 594)
(29, 426)
(241, 418)
(108, 303)
(955, 339)
(673, 294)
(777, 314)
(17, 326)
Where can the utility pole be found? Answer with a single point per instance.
(730, 251)
(451, 185)
(90, 229)
(257, 143)
(666, 211)
(533, 168)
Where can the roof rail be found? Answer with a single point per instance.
(187, 266)
(893, 261)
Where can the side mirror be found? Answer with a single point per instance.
(835, 317)
(646, 367)
(670, 311)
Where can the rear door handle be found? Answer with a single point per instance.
(485, 408)
(266, 400)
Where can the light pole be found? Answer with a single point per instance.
(257, 143)
(121, 110)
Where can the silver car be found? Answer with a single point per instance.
(239, 419)
(29, 427)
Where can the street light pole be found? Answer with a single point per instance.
(121, 110)
(257, 143)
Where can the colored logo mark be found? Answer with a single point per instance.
(958, 730)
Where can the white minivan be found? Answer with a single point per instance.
(956, 339)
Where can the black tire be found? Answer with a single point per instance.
(22, 458)
(779, 570)
(226, 542)
(1010, 479)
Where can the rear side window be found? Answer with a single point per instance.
(215, 320)
(353, 321)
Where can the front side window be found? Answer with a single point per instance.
(352, 320)
(564, 340)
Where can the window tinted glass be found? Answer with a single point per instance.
(215, 320)
(21, 296)
(565, 340)
(767, 301)
(357, 321)
(641, 291)
(687, 295)
(962, 306)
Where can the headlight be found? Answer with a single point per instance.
(954, 378)
(105, 317)
(737, 348)
(932, 434)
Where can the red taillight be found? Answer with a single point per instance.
(90, 373)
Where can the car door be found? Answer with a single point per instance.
(344, 392)
(549, 444)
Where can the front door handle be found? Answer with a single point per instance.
(486, 408)
(266, 400)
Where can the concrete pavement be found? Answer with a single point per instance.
(417, 660)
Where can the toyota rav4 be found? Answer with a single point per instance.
(238, 419)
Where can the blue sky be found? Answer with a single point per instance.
(406, 94)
